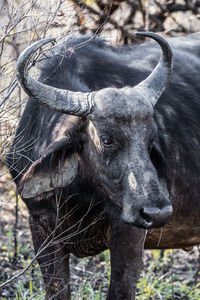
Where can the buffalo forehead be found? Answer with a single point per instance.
(117, 105)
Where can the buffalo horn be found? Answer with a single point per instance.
(155, 83)
(75, 103)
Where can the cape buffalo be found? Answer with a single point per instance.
(98, 159)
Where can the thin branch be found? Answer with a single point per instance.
(11, 89)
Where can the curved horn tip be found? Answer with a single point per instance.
(25, 55)
(33, 47)
(150, 34)
(157, 80)
(79, 103)
(160, 40)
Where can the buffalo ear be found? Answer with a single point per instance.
(39, 179)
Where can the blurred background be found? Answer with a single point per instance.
(167, 274)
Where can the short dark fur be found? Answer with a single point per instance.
(175, 153)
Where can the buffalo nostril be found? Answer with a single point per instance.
(145, 215)
(157, 216)
(152, 213)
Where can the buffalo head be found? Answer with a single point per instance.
(120, 131)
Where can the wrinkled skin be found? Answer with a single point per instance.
(155, 153)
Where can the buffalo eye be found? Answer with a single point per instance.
(107, 141)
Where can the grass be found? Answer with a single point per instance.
(28, 286)
(160, 281)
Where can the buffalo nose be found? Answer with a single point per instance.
(155, 217)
